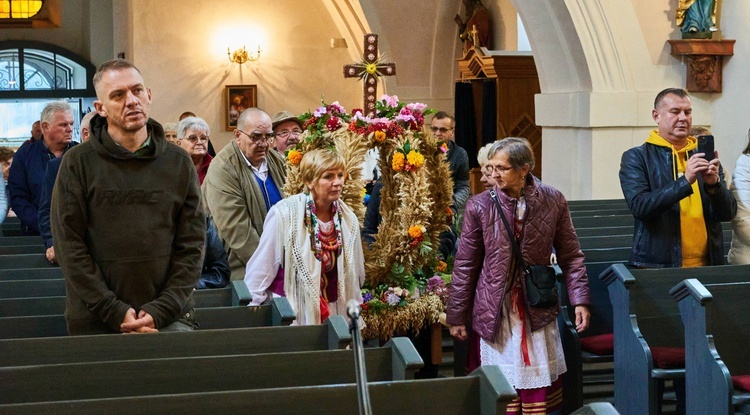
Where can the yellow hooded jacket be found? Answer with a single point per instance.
(692, 225)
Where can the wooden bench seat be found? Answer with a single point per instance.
(22, 240)
(46, 273)
(717, 335)
(333, 334)
(484, 392)
(25, 261)
(279, 312)
(44, 297)
(397, 360)
(648, 331)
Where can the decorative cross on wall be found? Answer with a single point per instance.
(369, 70)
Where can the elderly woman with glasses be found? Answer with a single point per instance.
(310, 250)
(192, 135)
(489, 288)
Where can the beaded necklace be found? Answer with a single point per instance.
(324, 243)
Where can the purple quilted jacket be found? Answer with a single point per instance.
(484, 256)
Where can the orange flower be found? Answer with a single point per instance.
(379, 136)
(415, 159)
(441, 266)
(398, 161)
(416, 231)
(294, 157)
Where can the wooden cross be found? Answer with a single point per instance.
(369, 70)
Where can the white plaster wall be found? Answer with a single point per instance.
(180, 47)
(731, 115)
(601, 63)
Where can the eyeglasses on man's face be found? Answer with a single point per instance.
(286, 133)
(194, 138)
(258, 138)
(441, 129)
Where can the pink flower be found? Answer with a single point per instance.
(336, 107)
(416, 106)
(390, 100)
(320, 111)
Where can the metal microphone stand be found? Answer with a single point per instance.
(363, 394)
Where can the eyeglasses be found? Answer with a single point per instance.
(286, 133)
(194, 138)
(258, 138)
(441, 129)
(497, 169)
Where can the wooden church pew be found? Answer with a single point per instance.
(596, 204)
(279, 312)
(22, 240)
(25, 261)
(21, 249)
(648, 331)
(8, 274)
(717, 335)
(331, 335)
(397, 360)
(47, 297)
(484, 392)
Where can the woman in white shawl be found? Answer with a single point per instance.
(739, 253)
(310, 250)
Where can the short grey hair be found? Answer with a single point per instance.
(170, 126)
(518, 149)
(193, 123)
(86, 121)
(51, 108)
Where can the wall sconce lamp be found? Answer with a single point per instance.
(242, 55)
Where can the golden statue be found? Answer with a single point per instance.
(697, 18)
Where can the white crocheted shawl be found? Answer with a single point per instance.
(302, 270)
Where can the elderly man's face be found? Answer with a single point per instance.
(287, 135)
(254, 138)
(442, 128)
(674, 117)
(123, 100)
(59, 130)
(36, 130)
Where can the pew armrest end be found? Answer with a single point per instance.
(282, 313)
(240, 294)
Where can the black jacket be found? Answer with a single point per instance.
(215, 273)
(653, 197)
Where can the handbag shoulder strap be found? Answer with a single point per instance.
(512, 237)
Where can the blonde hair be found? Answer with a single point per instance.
(314, 163)
(482, 154)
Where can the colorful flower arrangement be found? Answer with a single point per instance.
(403, 289)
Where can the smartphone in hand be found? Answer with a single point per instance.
(706, 146)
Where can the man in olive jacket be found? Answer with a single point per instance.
(243, 181)
(126, 218)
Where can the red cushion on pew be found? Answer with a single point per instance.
(601, 344)
(668, 357)
(741, 382)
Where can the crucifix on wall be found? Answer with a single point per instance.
(369, 70)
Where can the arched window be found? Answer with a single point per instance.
(33, 74)
(19, 9)
(42, 71)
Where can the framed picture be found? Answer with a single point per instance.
(238, 98)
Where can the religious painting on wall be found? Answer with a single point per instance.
(238, 98)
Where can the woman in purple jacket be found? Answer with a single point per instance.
(488, 287)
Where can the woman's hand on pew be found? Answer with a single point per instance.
(459, 332)
(144, 323)
(582, 318)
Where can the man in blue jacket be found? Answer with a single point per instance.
(30, 163)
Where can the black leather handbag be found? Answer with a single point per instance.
(541, 288)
